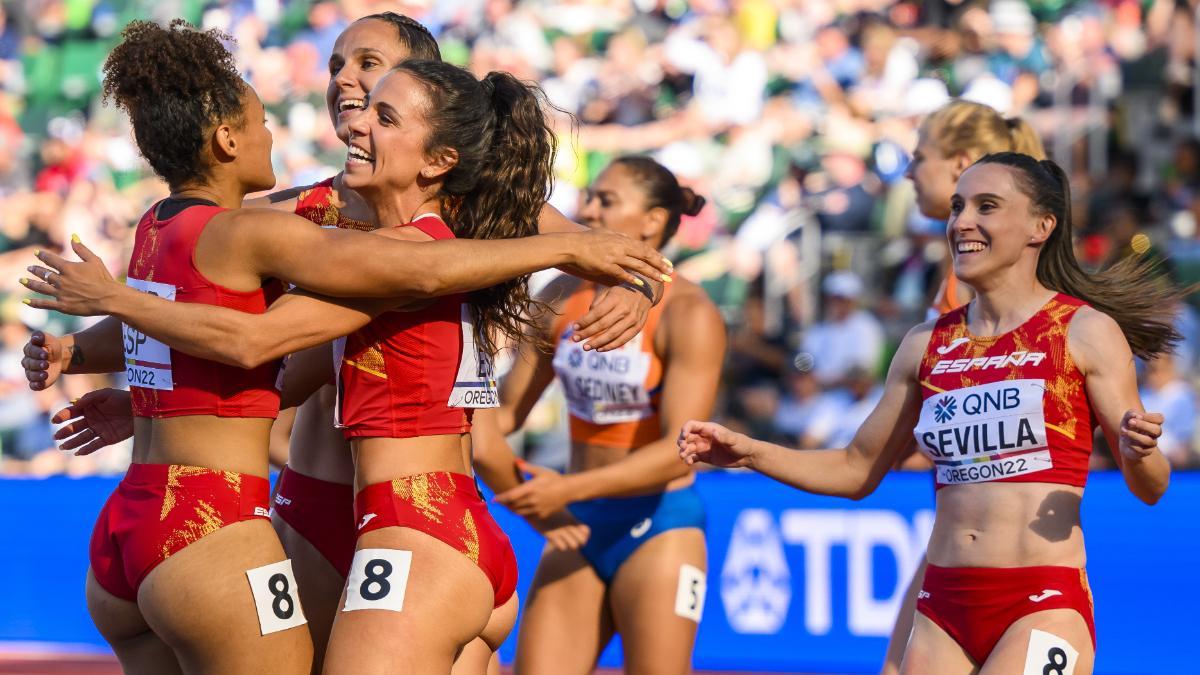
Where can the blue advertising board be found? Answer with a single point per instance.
(796, 582)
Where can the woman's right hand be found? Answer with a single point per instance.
(76, 288)
(712, 443)
(96, 419)
(46, 357)
(609, 258)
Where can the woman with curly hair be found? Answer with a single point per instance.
(186, 571)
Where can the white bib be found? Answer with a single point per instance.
(148, 361)
(475, 384)
(604, 388)
(985, 432)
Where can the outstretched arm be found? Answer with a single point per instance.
(96, 349)
(854, 471)
(1103, 356)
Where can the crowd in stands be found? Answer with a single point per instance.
(795, 118)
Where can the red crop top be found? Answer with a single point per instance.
(1012, 407)
(168, 383)
(418, 373)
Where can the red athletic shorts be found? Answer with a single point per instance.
(446, 506)
(158, 509)
(975, 605)
(320, 511)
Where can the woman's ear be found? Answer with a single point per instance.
(224, 143)
(1043, 228)
(654, 222)
(439, 163)
(962, 162)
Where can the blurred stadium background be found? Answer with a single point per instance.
(795, 118)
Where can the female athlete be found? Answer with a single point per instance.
(1000, 395)
(641, 572)
(951, 139)
(202, 477)
(313, 505)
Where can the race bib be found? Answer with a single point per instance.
(475, 384)
(148, 361)
(604, 388)
(985, 432)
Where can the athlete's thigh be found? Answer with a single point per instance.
(322, 586)
(566, 622)
(139, 650)
(1048, 651)
(931, 651)
(656, 599)
(904, 623)
(200, 601)
(476, 658)
(447, 600)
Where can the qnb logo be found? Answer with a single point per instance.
(756, 581)
(944, 409)
(575, 358)
(1015, 359)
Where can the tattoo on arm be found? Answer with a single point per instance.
(77, 358)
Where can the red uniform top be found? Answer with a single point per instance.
(417, 373)
(318, 203)
(613, 397)
(1012, 407)
(168, 383)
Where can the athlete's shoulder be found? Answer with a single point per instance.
(1095, 338)
(688, 303)
(912, 348)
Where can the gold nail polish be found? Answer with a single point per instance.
(75, 239)
(638, 281)
(24, 281)
(666, 278)
(27, 301)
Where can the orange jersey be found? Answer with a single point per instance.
(1012, 407)
(612, 397)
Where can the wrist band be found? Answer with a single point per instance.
(644, 289)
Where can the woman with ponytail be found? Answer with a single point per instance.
(1001, 395)
(638, 568)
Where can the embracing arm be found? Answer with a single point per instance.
(854, 471)
(1103, 356)
(96, 349)
(692, 372)
(346, 263)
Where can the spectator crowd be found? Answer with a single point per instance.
(795, 118)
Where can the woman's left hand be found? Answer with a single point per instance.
(1139, 434)
(539, 497)
(78, 288)
(615, 317)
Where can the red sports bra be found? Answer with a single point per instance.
(417, 373)
(169, 383)
(1012, 407)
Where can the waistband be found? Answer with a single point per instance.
(977, 577)
(292, 478)
(619, 507)
(423, 486)
(253, 491)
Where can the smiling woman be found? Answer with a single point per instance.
(1001, 395)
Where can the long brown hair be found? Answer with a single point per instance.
(502, 180)
(1134, 292)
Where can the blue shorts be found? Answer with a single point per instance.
(620, 525)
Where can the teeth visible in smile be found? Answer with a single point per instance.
(347, 104)
(356, 154)
(971, 246)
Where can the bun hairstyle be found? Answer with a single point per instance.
(1134, 292)
(176, 84)
(415, 37)
(496, 190)
(662, 191)
(975, 130)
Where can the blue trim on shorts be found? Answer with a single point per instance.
(619, 525)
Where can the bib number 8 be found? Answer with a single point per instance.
(377, 571)
(1049, 654)
(378, 579)
(275, 598)
(1057, 661)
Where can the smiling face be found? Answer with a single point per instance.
(387, 140)
(993, 226)
(616, 202)
(933, 175)
(362, 55)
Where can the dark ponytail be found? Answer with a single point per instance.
(415, 37)
(502, 179)
(176, 83)
(662, 191)
(1134, 292)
